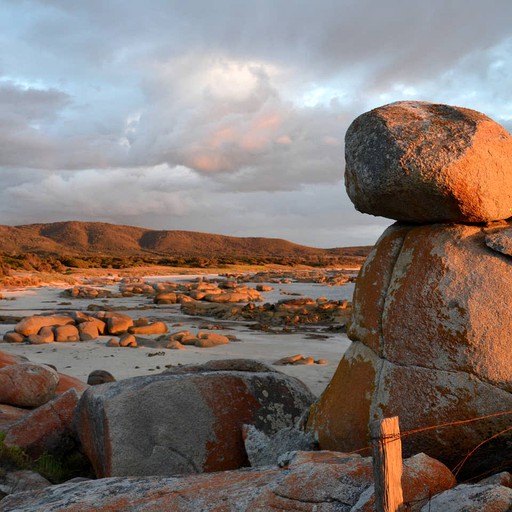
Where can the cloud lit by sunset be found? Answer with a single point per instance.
(224, 117)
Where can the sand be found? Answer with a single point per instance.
(80, 358)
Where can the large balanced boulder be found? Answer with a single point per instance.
(189, 421)
(311, 482)
(431, 343)
(424, 162)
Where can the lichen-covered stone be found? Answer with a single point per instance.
(431, 344)
(185, 421)
(27, 384)
(312, 482)
(425, 162)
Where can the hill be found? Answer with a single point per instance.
(98, 240)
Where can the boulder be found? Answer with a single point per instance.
(47, 334)
(425, 162)
(32, 324)
(154, 328)
(311, 482)
(67, 382)
(472, 498)
(210, 339)
(10, 415)
(128, 340)
(66, 333)
(27, 384)
(13, 337)
(88, 331)
(192, 418)
(47, 429)
(118, 324)
(97, 377)
(166, 298)
(8, 359)
(431, 344)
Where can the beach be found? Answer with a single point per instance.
(79, 359)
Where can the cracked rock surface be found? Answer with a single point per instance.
(432, 343)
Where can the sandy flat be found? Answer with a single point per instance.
(79, 359)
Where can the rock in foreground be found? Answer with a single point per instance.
(424, 162)
(431, 344)
(189, 421)
(312, 482)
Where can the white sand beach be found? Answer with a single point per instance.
(80, 358)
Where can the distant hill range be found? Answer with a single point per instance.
(98, 239)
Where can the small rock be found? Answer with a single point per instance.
(154, 328)
(127, 340)
(13, 337)
(88, 331)
(65, 333)
(289, 359)
(97, 377)
(175, 345)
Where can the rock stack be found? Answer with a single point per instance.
(432, 323)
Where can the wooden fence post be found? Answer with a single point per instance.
(387, 465)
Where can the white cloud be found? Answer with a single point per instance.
(223, 116)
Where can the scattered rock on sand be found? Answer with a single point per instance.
(66, 333)
(97, 377)
(88, 331)
(13, 337)
(117, 323)
(152, 328)
(299, 359)
(175, 345)
(210, 339)
(128, 340)
(32, 324)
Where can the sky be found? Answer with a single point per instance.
(224, 116)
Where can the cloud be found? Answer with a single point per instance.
(223, 116)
